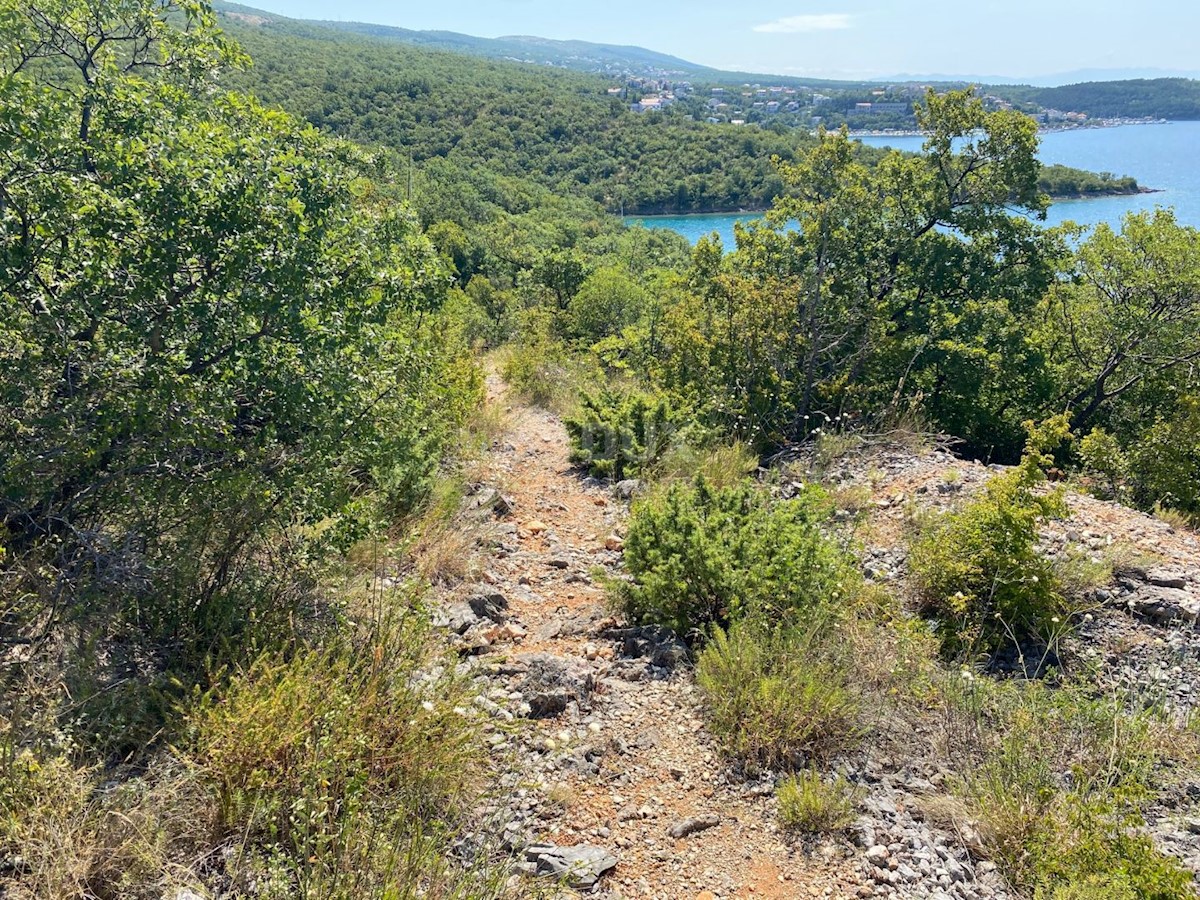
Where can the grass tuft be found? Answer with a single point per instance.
(811, 804)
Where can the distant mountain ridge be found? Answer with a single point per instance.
(582, 56)
(1057, 79)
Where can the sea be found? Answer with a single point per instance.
(1164, 157)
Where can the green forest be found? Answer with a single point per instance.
(452, 116)
(1159, 98)
(253, 280)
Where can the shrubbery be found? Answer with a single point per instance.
(778, 697)
(344, 771)
(700, 557)
(1057, 778)
(616, 433)
(1159, 469)
(978, 569)
(607, 301)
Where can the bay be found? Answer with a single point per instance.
(1164, 157)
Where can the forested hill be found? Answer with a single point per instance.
(558, 128)
(505, 128)
(580, 56)
(1164, 98)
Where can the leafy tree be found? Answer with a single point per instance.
(209, 319)
(871, 288)
(606, 302)
(1128, 312)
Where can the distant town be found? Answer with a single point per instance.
(886, 109)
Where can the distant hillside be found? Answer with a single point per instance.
(580, 56)
(483, 133)
(1161, 98)
(503, 126)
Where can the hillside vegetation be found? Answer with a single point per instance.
(264, 586)
(453, 116)
(1159, 98)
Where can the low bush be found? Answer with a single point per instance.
(541, 369)
(74, 842)
(1157, 469)
(779, 697)
(536, 371)
(616, 433)
(978, 570)
(809, 803)
(700, 556)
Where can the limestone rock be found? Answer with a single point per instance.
(582, 866)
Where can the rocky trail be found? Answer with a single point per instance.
(610, 780)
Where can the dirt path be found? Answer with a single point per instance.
(599, 742)
(611, 747)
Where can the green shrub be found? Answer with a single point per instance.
(778, 696)
(1105, 464)
(809, 803)
(1157, 469)
(616, 433)
(1164, 464)
(978, 569)
(607, 301)
(700, 556)
(253, 345)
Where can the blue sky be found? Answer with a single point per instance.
(1019, 38)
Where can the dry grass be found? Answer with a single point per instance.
(1178, 520)
(721, 467)
(79, 836)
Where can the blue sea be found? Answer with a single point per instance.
(1164, 157)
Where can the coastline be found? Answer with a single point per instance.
(630, 218)
(1051, 129)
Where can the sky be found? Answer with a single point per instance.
(829, 38)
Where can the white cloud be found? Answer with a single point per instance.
(815, 22)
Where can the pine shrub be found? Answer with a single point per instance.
(618, 433)
(702, 557)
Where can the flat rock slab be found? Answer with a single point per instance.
(582, 866)
(1164, 605)
(1167, 578)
